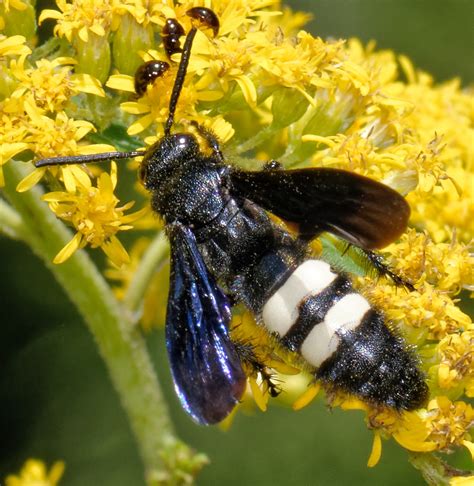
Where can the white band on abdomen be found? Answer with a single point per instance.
(282, 309)
(344, 315)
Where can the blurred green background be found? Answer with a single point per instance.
(56, 401)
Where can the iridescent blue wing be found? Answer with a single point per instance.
(206, 369)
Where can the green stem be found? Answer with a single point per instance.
(11, 224)
(433, 469)
(155, 254)
(120, 344)
(262, 136)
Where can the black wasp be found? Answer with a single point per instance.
(224, 246)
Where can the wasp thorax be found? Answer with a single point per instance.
(167, 155)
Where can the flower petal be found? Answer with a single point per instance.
(260, 399)
(376, 452)
(115, 251)
(308, 396)
(248, 89)
(469, 446)
(31, 180)
(69, 249)
(122, 82)
(87, 84)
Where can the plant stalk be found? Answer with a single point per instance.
(120, 344)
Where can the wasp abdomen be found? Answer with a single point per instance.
(317, 313)
(374, 364)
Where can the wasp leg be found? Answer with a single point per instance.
(245, 351)
(384, 270)
(210, 138)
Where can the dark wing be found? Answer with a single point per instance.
(360, 210)
(206, 369)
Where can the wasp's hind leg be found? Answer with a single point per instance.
(383, 269)
(254, 366)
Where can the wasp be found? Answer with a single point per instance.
(225, 248)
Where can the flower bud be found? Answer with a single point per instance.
(129, 39)
(19, 20)
(93, 56)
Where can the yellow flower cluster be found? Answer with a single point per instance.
(35, 107)
(34, 473)
(265, 86)
(94, 213)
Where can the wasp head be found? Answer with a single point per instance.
(167, 156)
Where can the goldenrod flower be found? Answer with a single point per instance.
(47, 136)
(82, 17)
(94, 213)
(155, 108)
(449, 266)
(461, 480)
(86, 24)
(455, 371)
(30, 94)
(271, 89)
(443, 425)
(13, 46)
(34, 473)
(51, 83)
(11, 132)
(263, 350)
(433, 313)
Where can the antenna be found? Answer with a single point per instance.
(177, 87)
(87, 159)
(179, 81)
